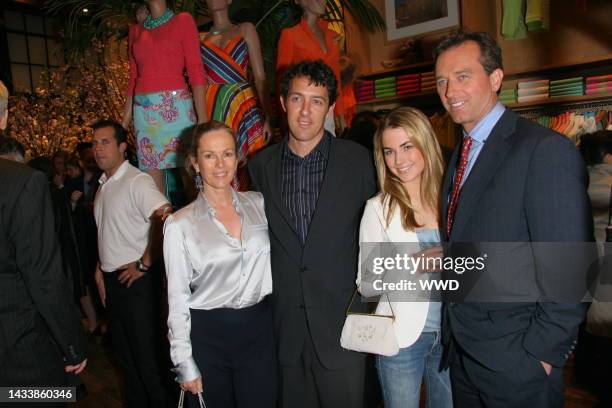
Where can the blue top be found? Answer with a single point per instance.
(479, 136)
(429, 238)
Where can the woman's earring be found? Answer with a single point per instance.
(199, 183)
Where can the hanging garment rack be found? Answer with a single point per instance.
(577, 107)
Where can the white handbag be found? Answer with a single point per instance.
(182, 399)
(369, 332)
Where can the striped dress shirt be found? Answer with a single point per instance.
(301, 179)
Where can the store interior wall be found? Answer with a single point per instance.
(575, 37)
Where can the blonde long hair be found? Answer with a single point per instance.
(393, 194)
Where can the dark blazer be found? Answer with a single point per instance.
(527, 185)
(85, 228)
(34, 295)
(313, 284)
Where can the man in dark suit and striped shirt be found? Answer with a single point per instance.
(315, 187)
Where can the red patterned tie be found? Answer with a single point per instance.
(463, 160)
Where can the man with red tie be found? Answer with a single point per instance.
(510, 181)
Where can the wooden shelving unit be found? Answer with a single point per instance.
(403, 68)
(525, 105)
(516, 106)
(397, 98)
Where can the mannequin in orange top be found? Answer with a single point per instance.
(311, 40)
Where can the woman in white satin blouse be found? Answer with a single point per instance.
(217, 255)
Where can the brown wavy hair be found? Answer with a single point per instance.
(393, 194)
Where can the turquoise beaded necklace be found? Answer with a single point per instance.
(150, 23)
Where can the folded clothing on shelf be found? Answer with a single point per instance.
(385, 87)
(599, 87)
(533, 84)
(566, 81)
(598, 79)
(567, 87)
(532, 91)
(428, 78)
(564, 87)
(364, 90)
(364, 93)
(385, 81)
(413, 85)
(409, 77)
(380, 88)
(408, 90)
(507, 96)
(385, 95)
(408, 81)
(532, 98)
(363, 85)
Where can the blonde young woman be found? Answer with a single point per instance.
(409, 166)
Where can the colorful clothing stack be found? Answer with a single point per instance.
(507, 96)
(574, 124)
(567, 87)
(385, 87)
(531, 91)
(428, 82)
(364, 90)
(408, 84)
(600, 84)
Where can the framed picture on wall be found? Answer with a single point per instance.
(410, 18)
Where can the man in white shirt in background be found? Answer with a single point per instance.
(129, 209)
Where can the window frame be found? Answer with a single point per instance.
(6, 74)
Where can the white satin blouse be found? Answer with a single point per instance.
(209, 269)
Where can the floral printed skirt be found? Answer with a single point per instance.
(160, 119)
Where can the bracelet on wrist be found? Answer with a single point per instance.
(141, 266)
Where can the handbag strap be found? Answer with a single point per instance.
(182, 400)
(348, 309)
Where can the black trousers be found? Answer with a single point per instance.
(234, 351)
(525, 385)
(592, 363)
(34, 361)
(309, 384)
(132, 322)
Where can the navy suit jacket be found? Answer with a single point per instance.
(34, 293)
(529, 184)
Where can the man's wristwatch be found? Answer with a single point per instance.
(141, 266)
